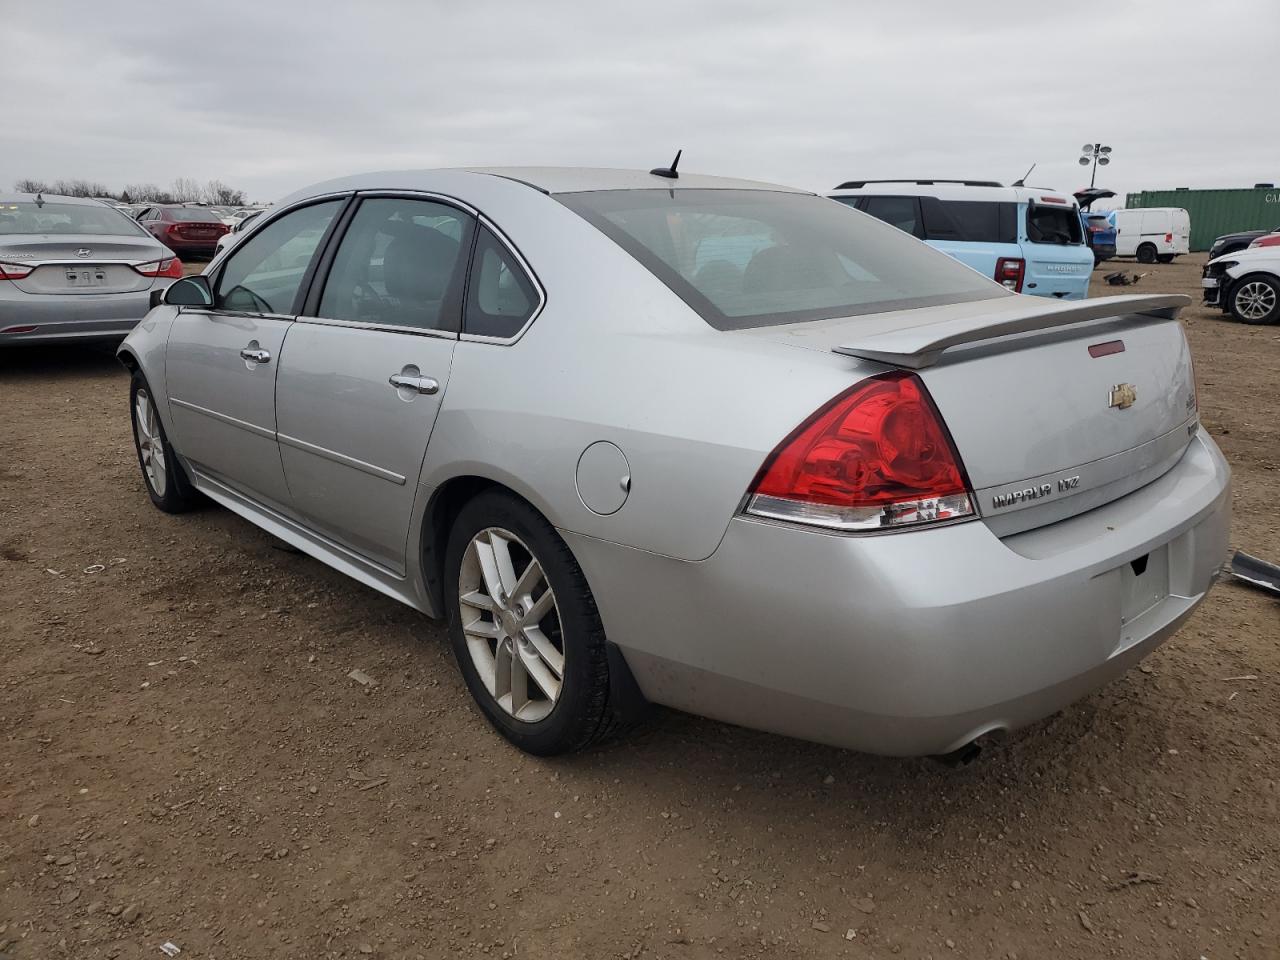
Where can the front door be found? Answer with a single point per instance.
(221, 362)
(365, 369)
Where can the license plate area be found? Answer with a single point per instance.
(1144, 582)
(86, 276)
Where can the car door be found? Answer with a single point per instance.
(366, 367)
(221, 361)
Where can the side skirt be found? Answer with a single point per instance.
(296, 535)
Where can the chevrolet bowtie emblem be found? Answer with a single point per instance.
(1123, 396)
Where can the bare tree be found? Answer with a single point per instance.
(184, 190)
(146, 193)
(217, 192)
(32, 186)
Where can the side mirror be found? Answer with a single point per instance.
(187, 292)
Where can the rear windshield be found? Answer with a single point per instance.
(753, 258)
(1047, 224)
(194, 215)
(94, 219)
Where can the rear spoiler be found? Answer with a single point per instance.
(921, 346)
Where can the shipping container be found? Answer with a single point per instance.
(1215, 212)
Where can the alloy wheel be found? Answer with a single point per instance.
(511, 624)
(150, 443)
(1255, 300)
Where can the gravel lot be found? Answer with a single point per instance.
(184, 758)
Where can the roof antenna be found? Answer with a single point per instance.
(1023, 181)
(39, 201)
(668, 172)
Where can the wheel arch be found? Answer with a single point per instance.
(628, 703)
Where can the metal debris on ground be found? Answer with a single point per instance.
(1255, 572)
(1122, 279)
(362, 678)
(170, 949)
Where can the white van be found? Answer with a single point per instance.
(1152, 233)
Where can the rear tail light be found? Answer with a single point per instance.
(876, 457)
(1010, 272)
(25, 328)
(171, 267)
(1168, 238)
(14, 271)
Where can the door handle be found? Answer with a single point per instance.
(255, 355)
(420, 384)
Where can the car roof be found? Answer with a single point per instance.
(951, 190)
(583, 179)
(543, 179)
(49, 198)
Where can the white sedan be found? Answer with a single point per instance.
(1245, 284)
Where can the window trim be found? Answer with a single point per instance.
(215, 269)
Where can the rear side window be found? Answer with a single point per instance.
(901, 212)
(1046, 224)
(976, 221)
(501, 298)
(398, 265)
(754, 258)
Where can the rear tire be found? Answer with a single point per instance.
(1147, 253)
(166, 482)
(1255, 299)
(543, 622)
(1166, 257)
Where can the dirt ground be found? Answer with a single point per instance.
(185, 760)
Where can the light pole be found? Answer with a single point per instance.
(1094, 153)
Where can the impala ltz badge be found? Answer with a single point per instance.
(1123, 396)
(83, 252)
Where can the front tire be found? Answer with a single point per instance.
(1255, 299)
(1147, 253)
(162, 473)
(525, 629)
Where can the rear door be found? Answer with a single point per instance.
(1058, 261)
(366, 367)
(221, 362)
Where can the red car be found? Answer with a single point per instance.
(1266, 240)
(184, 229)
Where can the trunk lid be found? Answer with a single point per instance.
(1055, 408)
(69, 265)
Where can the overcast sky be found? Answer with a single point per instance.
(272, 95)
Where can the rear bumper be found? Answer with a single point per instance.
(69, 319)
(913, 643)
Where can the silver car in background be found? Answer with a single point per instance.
(75, 270)
(724, 446)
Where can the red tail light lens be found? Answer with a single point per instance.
(1168, 238)
(877, 456)
(1010, 272)
(161, 268)
(14, 271)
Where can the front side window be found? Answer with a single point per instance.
(753, 258)
(90, 219)
(1060, 225)
(265, 272)
(501, 297)
(399, 264)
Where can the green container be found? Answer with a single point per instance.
(1215, 212)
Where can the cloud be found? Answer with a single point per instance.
(271, 96)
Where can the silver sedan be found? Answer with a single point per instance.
(75, 270)
(728, 447)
